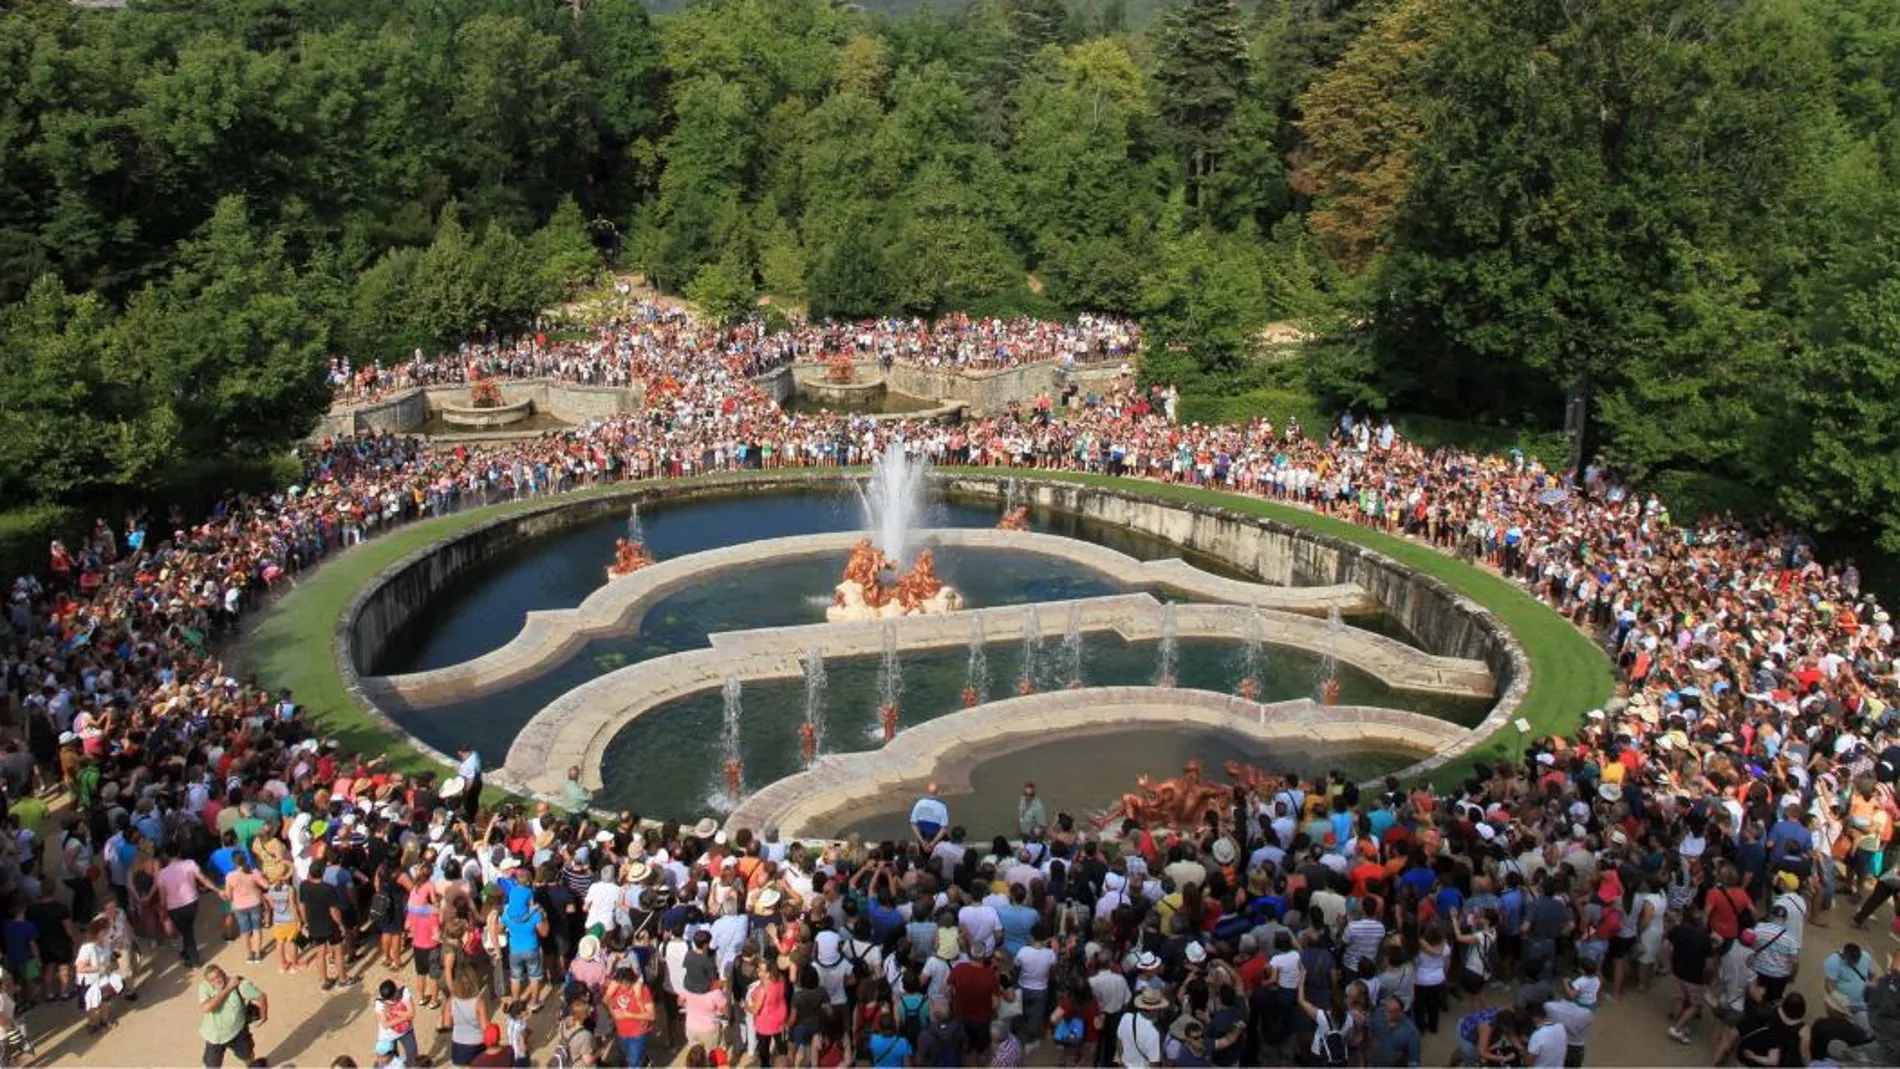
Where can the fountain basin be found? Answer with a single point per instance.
(469, 417)
(846, 789)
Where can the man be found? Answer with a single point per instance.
(929, 817)
(470, 773)
(322, 916)
(574, 797)
(1395, 1040)
(1112, 996)
(1547, 1046)
(1138, 1037)
(1031, 815)
(1690, 951)
(1576, 1021)
(225, 1024)
(974, 996)
(1776, 1039)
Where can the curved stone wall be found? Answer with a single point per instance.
(491, 418)
(1445, 623)
(548, 635)
(846, 788)
(577, 727)
(404, 412)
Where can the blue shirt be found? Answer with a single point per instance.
(889, 1050)
(522, 937)
(1017, 921)
(223, 860)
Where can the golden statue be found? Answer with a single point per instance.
(629, 557)
(1181, 802)
(840, 369)
(1016, 519)
(920, 584)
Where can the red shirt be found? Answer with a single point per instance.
(972, 993)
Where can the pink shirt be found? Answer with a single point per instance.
(178, 883)
(702, 1011)
(246, 889)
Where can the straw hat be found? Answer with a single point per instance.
(1151, 999)
(452, 786)
(705, 829)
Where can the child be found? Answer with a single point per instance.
(1582, 988)
(515, 1031)
(396, 1018)
(280, 905)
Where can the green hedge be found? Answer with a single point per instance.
(294, 644)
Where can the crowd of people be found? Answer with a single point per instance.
(1692, 832)
(653, 340)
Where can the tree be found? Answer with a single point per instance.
(1204, 307)
(564, 254)
(233, 347)
(723, 290)
(1202, 70)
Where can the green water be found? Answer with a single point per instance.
(668, 761)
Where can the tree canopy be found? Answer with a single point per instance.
(1683, 212)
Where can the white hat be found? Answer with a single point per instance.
(705, 829)
(452, 786)
(1224, 852)
(1546, 759)
(66, 737)
(1595, 714)
(769, 898)
(1487, 832)
(634, 872)
(1147, 962)
(1610, 792)
(603, 836)
(1196, 953)
(509, 864)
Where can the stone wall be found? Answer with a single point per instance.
(404, 412)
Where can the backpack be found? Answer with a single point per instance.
(380, 905)
(1332, 1040)
(1069, 1032)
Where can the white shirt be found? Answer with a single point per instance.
(982, 924)
(1548, 1045)
(1111, 991)
(1033, 964)
(602, 899)
(1138, 1041)
(471, 767)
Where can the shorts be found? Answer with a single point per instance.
(525, 968)
(709, 1040)
(929, 829)
(1470, 981)
(29, 969)
(428, 961)
(1773, 987)
(325, 937)
(285, 934)
(250, 920)
(976, 1036)
(1620, 948)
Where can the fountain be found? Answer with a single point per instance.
(1168, 652)
(976, 687)
(630, 552)
(890, 684)
(1328, 671)
(1072, 647)
(811, 734)
(1015, 514)
(733, 766)
(893, 500)
(1253, 660)
(1032, 650)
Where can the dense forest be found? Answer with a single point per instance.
(1681, 215)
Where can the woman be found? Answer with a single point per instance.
(468, 1017)
(630, 1003)
(246, 887)
(1488, 1037)
(389, 908)
(768, 1005)
(809, 1003)
(1432, 964)
(125, 947)
(280, 902)
(97, 968)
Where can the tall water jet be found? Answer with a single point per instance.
(1015, 513)
(630, 552)
(733, 764)
(1253, 657)
(811, 734)
(1169, 650)
(1032, 650)
(636, 531)
(893, 499)
(976, 685)
(890, 684)
(1328, 671)
(1072, 647)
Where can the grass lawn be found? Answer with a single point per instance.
(294, 644)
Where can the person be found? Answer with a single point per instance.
(179, 882)
(705, 1013)
(629, 1003)
(527, 925)
(469, 771)
(96, 966)
(468, 1015)
(244, 888)
(1138, 1037)
(494, 1050)
(1394, 1036)
(322, 917)
(574, 1035)
(395, 1009)
(1547, 1045)
(1775, 1038)
(1031, 815)
(929, 817)
(768, 1007)
(230, 1008)
(575, 797)
(1689, 964)
(887, 1047)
